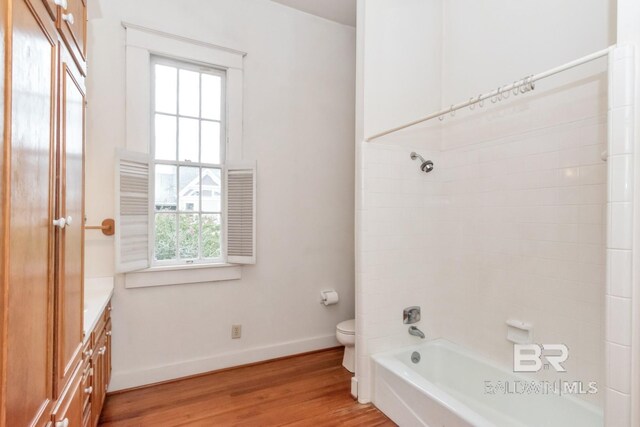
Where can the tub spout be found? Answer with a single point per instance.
(413, 330)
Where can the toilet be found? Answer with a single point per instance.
(346, 335)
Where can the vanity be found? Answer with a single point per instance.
(96, 347)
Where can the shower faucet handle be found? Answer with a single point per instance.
(411, 315)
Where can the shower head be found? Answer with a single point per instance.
(426, 166)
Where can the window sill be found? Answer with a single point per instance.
(182, 275)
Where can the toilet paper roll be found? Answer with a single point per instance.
(330, 297)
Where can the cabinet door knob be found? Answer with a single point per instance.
(60, 223)
(88, 390)
(68, 17)
(108, 333)
(88, 353)
(63, 423)
(69, 221)
(62, 3)
(102, 350)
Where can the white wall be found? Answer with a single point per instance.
(492, 42)
(511, 222)
(399, 79)
(629, 33)
(299, 79)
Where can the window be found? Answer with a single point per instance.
(188, 156)
(185, 193)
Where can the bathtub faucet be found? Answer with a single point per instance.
(413, 330)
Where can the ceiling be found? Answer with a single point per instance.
(342, 11)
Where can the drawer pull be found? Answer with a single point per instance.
(108, 333)
(88, 390)
(63, 423)
(62, 3)
(68, 17)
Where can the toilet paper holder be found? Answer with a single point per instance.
(329, 297)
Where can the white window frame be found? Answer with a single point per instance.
(142, 44)
(206, 69)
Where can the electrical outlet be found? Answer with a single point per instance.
(236, 332)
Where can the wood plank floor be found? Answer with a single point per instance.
(306, 390)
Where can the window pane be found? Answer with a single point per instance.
(211, 190)
(165, 188)
(211, 226)
(165, 248)
(211, 96)
(166, 89)
(210, 142)
(165, 135)
(189, 230)
(189, 136)
(189, 189)
(189, 93)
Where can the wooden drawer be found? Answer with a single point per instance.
(68, 410)
(72, 24)
(98, 330)
(87, 386)
(87, 351)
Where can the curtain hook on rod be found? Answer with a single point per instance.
(532, 83)
(441, 117)
(505, 93)
(523, 87)
(494, 98)
(472, 104)
(480, 101)
(451, 111)
(514, 88)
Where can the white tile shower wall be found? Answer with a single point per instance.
(393, 236)
(510, 224)
(619, 241)
(527, 190)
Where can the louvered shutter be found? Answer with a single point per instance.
(132, 211)
(241, 214)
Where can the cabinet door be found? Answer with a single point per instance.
(51, 7)
(97, 398)
(73, 27)
(29, 197)
(107, 356)
(70, 205)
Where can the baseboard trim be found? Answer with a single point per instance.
(127, 381)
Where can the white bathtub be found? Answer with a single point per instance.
(448, 388)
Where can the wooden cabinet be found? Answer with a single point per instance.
(72, 22)
(100, 364)
(99, 377)
(70, 206)
(68, 410)
(41, 258)
(28, 208)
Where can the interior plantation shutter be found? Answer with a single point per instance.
(241, 214)
(132, 211)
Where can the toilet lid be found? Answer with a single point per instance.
(347, 327)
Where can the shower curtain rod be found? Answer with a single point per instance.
(496, 92)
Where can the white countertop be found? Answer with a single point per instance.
(97, 293)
